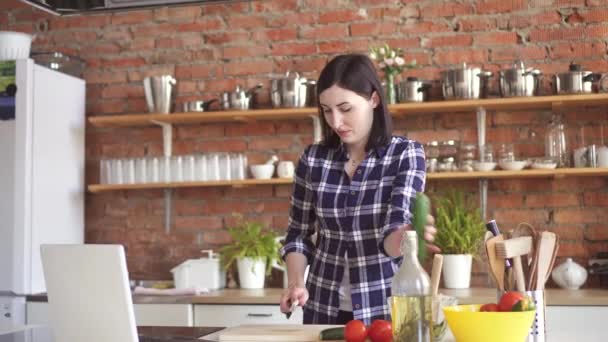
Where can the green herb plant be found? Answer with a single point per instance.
(460, 228)
(251, 239)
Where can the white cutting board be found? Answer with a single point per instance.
(273, 332)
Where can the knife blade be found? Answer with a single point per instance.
(292, 307)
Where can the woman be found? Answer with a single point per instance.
(355, 190)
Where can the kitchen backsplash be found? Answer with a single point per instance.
(212, 48)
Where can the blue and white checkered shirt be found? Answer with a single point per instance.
(352, 216)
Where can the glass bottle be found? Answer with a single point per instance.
(411, 296)
(555, 142)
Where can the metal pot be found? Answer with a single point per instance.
(288, 91)
(239, 99)
(575, 81)
(465, 83)
(519, 81)
(413, 90)
(198, 106)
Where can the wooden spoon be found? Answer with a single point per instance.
(497, 265)
(436, 274)
(528, 261)
(546, 250)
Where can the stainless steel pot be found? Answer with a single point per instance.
(288, 91)
(413, 90)
(198, 106)
(519, 81)
(575, 81)
(465, 83)
(239, 99)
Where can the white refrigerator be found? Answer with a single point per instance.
(42, 126)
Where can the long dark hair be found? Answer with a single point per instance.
(356, 73)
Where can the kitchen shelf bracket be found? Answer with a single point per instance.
(481, 141)
(167, 152)
(316, 129)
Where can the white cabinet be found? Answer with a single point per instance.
(570, 323)
(220, 315)
(168, 315)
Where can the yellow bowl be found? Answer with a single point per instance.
(468, 324)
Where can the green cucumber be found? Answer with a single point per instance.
(422, 208)
(332, 334)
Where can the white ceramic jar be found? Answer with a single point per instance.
(569, 275)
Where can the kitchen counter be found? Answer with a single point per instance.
(554, 297)
(146, 334)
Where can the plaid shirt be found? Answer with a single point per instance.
(354, 216)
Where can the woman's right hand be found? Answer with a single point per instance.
(293, 294)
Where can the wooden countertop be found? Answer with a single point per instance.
(554, 297)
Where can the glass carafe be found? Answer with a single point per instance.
(555, 142)
(411, 296)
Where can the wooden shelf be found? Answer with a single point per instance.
(516, 103)
(499, 174)
(96, 188)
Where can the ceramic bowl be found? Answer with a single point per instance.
(262, 171)
(484, 166)
(515, 165)
(543, 164)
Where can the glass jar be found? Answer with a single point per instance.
(446, 165)
(466, 157)
(555, 142)
(486, 153)
(431, 151)
(448, 148)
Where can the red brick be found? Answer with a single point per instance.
(181, 13)
(596, 199)
(275, 6)
(253, 129)
(374, 29)
(580, 215)
(518, 216)
(203, 25)
(118, 34)
(339, 16)
(572, 249)
(196, 71)
(425, 136)
(280, 206)
(292, 19)
(274, 143)
(226, 207)
(574, 50)
(94, 21)
(425, 27)
(476, 24)
(505, 201)
(249, 192)
(569, 3)
(335, 46)
(554, 200)
(274, 35)
(132, 17)
(500, 6)
(198, 223)
(578, 183)
(217, 238)
(141, 44)
(280, 222)
(230, 52)
(246, 21)
(526, 21)
(575, 233)
(515, 52)
(152, 30)
(446, 9)
(226, 37)
(225, 9)
(226, 145)
(453, 40)
(93, 76)
(76, 36)
(181, 42)
(122, 91)
(286, 49)
(452, 57)
(552, 34)
(248, 67)
(327, 32)
(596, 232)
(496, 38)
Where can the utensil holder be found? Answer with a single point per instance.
(538, 329)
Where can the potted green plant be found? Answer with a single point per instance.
(460, 232)
(254, 249)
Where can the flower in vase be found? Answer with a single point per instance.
(390, 60)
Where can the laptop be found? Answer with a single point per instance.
(89, 294)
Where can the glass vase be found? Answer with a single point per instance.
(391, 93)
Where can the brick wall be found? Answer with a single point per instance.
(212, 48)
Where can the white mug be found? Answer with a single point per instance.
(602, 156)
(285, 169)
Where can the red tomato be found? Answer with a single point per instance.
(508, 300)
(355, 331)
(381, 331)
(491, 307)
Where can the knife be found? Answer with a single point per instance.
(293, 307)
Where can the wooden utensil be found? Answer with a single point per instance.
(436, 274)
(497, 265)
(528, 261)
(514, 248)
(546, 249)
(555, 249)
(273, 332)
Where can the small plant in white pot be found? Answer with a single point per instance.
(460, 232)
(254, 249)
